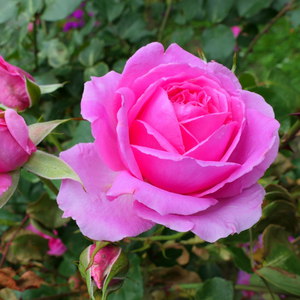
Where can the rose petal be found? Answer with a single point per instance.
(106, 140)
(250, 152)
(257, 102)
(213, 148)
(161, 201)
(160, 115)
(174, 222)
(142, 134)
(204, 126)
(152, 55)
(126, 154)
(189, 141)
(5, 182)
(230, 215)
(97, 217)
(229, 81)
(19, 130)
(180, 174)
(97, 94)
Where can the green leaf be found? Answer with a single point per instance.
(247, 80)
(182, 36)
(40, 227)
(15, 176)
(38, 131)
(46, 89)
(99, 70)
(277, 192)
(33, 90)
(278, 251)
(295, 17)
(215, 289)
(46, 212)
(282, 279)
(8, 10)
(57, 9)
(57, 54)
(49, 166)
(218, 42)
(82, 134)
(240, 259)
(89, 55)
(133, 290)
(278, 212)
(217, 10)
(248, 8)
(114, 9)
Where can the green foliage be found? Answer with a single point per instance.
(62, 60)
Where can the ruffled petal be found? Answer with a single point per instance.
(180, 174)
(97, 217)
(161, 201)
(97, 94)
(230, 215)
(160, 115)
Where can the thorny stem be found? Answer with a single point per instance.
(60, 296)
(289, 136)
(164, 22)
(35, 44)
(239, 287)
(251, 249)
(286, 8)
(11, 240)
(158, 237)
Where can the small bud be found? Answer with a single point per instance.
(104, 267)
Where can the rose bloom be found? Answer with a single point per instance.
(56, 246)
(15, 146)
(14, 93)
(177, 142)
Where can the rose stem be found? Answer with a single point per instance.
(164, 22)
(286, 8)
(50, 185)
(11, 240)
(289, 135)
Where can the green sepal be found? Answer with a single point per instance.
(34, 92)
(50, 167)
(46, 89)
(15, 176)
(118, 270)
(38, 131)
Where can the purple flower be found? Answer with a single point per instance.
(78, 14)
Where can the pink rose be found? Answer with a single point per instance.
(5, 182)
(14, 93)
(56, 247)
(178, 142)
(15, 145)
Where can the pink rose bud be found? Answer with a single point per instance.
(5, 182)
(56, 247)
(236, 31)
(15, 146)
(104, 267)
(18, 88)
(30, 26)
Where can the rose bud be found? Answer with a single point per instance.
(15, 145)
(18, 88)
(104, 267)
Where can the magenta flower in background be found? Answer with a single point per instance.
(236, 30)
(56, 247)
(14, 93)
(178, 143)
(78, 14)
(244, 278)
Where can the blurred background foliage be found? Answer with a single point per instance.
(67, 42)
